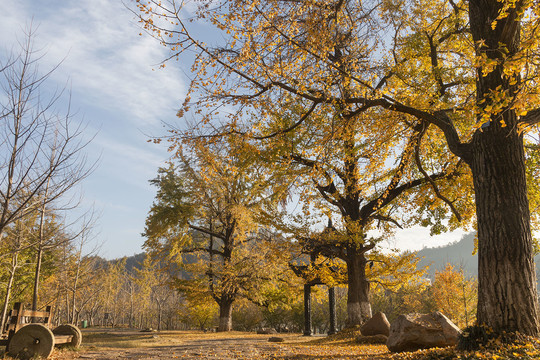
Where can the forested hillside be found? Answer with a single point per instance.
(459, 253)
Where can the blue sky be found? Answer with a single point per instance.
(115, 90)
(118, 90)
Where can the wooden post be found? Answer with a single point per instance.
(332, 305)
(47, 320)
(307, 310)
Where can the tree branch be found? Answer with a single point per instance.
(381, 217)
(292, 127)
(325, 190)
(433, 184)
(206, 231)
(532, 118)
(374, 205)
(202, 249)
(439, 118)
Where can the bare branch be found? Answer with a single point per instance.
(433, 184)
(41, 149)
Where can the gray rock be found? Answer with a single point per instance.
(377, 325)
(422, 331)
(276, 339)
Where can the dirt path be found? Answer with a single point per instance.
(222, 348)
(108, 344)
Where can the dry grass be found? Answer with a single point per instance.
(131, 339)
(344, 337)
(342, 345)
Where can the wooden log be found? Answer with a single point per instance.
(63, 339)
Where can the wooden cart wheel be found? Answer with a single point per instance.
(72, 330)
(31, 341)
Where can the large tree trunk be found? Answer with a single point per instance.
(358, 306)
(225, 315)
(507, 299)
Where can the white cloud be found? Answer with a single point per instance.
(130, 163)
(417, 237)
(11, 15)
(104, 57)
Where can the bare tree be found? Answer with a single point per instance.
(41, 148)
(84, 266)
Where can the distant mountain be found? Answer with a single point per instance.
(458, 253)
(135, 261)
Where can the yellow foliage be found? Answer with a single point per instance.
(455, 295)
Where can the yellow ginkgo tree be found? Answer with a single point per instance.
(208, 218)
(454, 295)
(366, 183)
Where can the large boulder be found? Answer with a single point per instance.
(422, 331)
(377, 325)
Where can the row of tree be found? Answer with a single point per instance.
(145, 295)
(220, 215)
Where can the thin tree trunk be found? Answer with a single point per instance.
(36, 277)
(9, 285)
(358, 306)
(75, 285)
(159, 316)
(66, 299)
(12, 271)
(131, 316)
(56, 304)
(464, 293)
(40, 248)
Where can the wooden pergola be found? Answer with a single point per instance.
(306, 272)
(308, 331)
